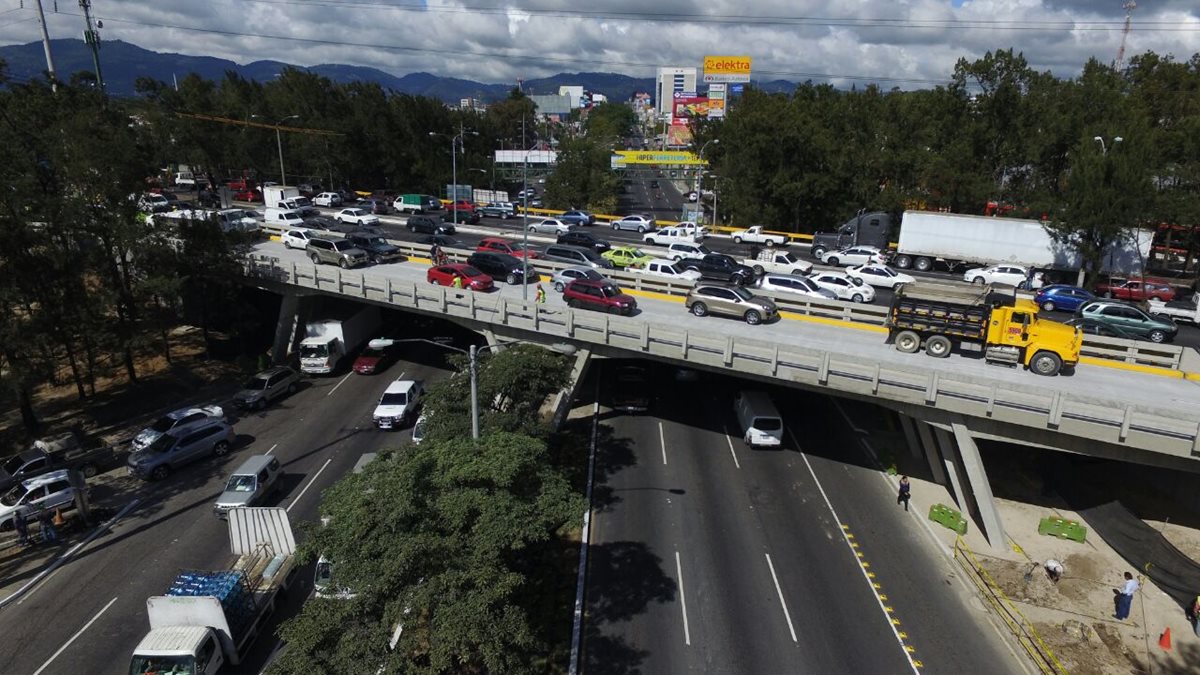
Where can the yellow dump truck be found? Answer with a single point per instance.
(1007, 329)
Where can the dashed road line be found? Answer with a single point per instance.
(786, 614)
(729, 439)
(74, 638)
(687, 633)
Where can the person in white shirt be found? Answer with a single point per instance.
(1124, 596)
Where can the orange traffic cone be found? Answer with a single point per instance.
(59, 521)
(1164, 640)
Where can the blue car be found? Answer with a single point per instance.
(575, 217)
(1062, 297)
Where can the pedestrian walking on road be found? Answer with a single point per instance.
(1195, 617)
(21, 527)
(1124, 597)
(905, 492)
(540, 298)
(457, 283)
(49, 532)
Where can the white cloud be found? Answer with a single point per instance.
(908, 44)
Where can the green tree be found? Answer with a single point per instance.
(610, 121)
(583, 177)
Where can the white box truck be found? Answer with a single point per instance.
(209, 619)
(954, 240)
(287, 197)
(329, 340)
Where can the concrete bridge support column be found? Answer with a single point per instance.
(285, 328)
(950, 462)
(910, 435)
(981, 490)
(925, 432)
(562, 404)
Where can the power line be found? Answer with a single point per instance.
(260, 125)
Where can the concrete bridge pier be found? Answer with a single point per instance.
(285, 328)
(954, 461)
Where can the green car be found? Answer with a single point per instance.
(626, 256)
(1129, 319)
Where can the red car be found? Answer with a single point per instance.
(462, 205)
(372, 361)
(444, 275)
(251, 195)
(1136, 289)
(498, 245)
(600, 295)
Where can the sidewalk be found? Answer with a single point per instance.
(1075, 616)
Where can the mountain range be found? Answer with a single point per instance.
(123, 62)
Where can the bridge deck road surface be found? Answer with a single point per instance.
(1107, 385)
(723, 509)
(174, 529)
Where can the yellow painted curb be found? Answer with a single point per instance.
(276, 237)
(654, 295)
(833, 322)
(1136, 367)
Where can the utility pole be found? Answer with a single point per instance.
(92, 37)
(524, 213)
(46, 46)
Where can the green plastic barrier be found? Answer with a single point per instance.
(948, 518)
(1062, 528)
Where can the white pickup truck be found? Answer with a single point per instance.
(758, 235)
(1178, 310)
(777, 262)
(672, 235)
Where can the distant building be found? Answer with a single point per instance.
(554, 108)
(471, 104)
(598, 98)
(669, 81)
(576, 94)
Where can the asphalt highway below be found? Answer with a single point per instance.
(710, 557)
(89, 615)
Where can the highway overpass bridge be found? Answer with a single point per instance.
(1111, 407)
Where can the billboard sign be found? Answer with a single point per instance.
(626, 157)
(686, 109)
(727, 69)
(716, 108)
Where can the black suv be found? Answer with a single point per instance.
(376, 246)
(500, 266)
(468, 217)
(374, 205)
(428, 225)
(584, 239)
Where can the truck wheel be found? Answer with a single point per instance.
(315, 258)
(770, 243)
(89, 470)
(221, 449)
(938, 346)
(818, 251)
(160, 472)
(1157, 336)
(1045, 363)
(737, 240)
(923, 264)
(753, 317)
(903, 262)
(700, 309)
(833, 260)
(907, 341)
(1048, 306)
(758, 269)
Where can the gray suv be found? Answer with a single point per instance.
(340, 252)
(705, 298)
(267, 386)
(250, 485)
(168, 452)
(576, 255)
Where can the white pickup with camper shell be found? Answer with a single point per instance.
(777, 262)
(758, 235)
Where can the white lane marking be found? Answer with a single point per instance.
(787, 615)
(343, 380)
(730, 440)
(273, 448)
(687, 633)
(946, 549)
(662, 440)
(73, 638)
(310, 482)
(584, 541)
(838, 522)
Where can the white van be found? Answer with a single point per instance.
(283, 217)
(762, 426)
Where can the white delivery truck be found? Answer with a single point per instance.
(955, 240)
(329, 340)
(208, 620)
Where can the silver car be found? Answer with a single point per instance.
(550, 226)
(170, 451)
(177, 422)
(267, 386)
(639, 223)
(795, 285)
(566, 275)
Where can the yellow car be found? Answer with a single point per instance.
(626, 256)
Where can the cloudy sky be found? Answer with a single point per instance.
(904, 43)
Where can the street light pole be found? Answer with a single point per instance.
(279, 145)
(699, 169)
(456, 143)
(1104, 148)
(524, 214)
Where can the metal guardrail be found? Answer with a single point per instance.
(1159, 430)
(1020, 627)
(1167, 356)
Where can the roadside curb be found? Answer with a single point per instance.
(63, 558)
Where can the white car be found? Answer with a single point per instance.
(691, 196)
(855, 255)
(398, 403)
(699, 231)
(679, 251)
(356, 216)
(668, 269)
(153, 203)
(671, 235)
(844, 287)
(879, 275)
(328, 199)
(550, 226)
(36, 495)
(176, 423)
(640, 223)
(297, 238)
(796, 285)
(1013, 275)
